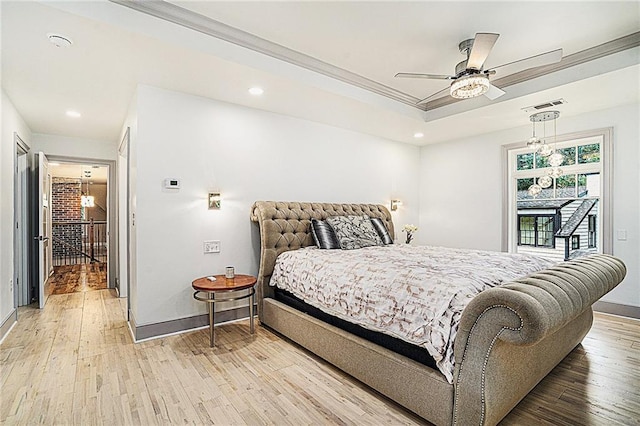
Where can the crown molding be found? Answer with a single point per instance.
(203, 24)
(609, 48)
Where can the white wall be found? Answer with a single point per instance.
(11, 122)
(65, 146)
(461, 190)
(248, 155)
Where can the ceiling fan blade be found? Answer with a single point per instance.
(542, 59)
(482, 45)
(494, 92)
(434, 95)
(418, 75)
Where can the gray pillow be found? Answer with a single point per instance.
(354, 232)
(382, 230)
(323, 235)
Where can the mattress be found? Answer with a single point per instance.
(415, 294)
(411, 351)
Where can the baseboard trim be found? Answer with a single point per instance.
(617, 309)
(149, 331)
(8, 324)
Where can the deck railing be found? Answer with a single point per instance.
(79, 242)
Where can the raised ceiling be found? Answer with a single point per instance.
(115, 48)
(378, 39)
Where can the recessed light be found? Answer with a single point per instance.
(418, 135)
(53, 164)
(73, 114)
(59, 40)
(256, 91)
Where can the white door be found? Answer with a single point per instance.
(45, 254)
(21, 218)
(123, 215)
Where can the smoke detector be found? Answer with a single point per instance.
(59, 40)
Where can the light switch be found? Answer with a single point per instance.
(622, 235)
(212, 246)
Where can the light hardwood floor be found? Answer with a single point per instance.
(74, 363)
(78, 278)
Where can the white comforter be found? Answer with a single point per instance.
(416, 294)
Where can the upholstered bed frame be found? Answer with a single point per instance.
(510, 337)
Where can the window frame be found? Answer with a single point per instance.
(509, 191)
(575, 242)
(592, 232)
(536, 231)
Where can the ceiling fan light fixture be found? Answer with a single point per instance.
(470, 86)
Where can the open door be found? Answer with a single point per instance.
(45, 253)
(123, 216)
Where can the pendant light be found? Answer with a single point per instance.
(86, 200)
(543, 149)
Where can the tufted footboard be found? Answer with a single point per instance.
(511, 336)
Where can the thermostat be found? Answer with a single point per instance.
(172, 183)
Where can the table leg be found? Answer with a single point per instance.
(252, 300)
(212, 338)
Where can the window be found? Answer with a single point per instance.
(589, 153)
(575, 242)
(531, 222)
(537, 231)
(592, 230)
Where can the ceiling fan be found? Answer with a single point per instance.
(471, 80)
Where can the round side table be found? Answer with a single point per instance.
(207, 288)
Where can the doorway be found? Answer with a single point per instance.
(79, 227)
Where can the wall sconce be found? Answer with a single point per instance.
(395, 204)
(214, 200)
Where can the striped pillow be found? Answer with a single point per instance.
(381, 229)
(323, 235)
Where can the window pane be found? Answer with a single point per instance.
(545, 231)
(524, 161)
(566, 186)
(575, 242)
(527, 231)
(542, 162)
(582, 186)
(589, 153)
(569, 155)
(589, 185)
(592, 231)
(523, 186)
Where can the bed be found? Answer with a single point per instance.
(508, 337)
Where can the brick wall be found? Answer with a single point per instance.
(65, 200)
(65, 207)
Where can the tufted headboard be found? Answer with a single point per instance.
(285, 225)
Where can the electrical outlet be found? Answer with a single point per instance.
(212, 246)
